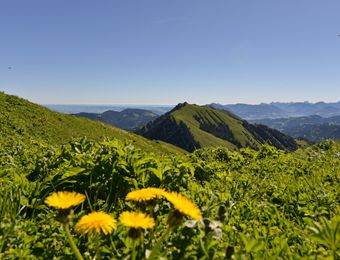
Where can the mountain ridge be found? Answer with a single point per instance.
(191, 126)
(275, 110)
(313, 128)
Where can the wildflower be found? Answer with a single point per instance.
(64, 199)
(96, 223)
(183, 205)
(136, 220)
(145, 194)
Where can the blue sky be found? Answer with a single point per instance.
(170, 51)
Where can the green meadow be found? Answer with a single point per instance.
(264, 204)
(252, 204)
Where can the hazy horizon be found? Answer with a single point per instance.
(174, 104)
(166, 105)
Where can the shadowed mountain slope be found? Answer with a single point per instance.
(192, 126)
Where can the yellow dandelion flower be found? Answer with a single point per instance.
(145, 194)
(96, 223)
(183, 205)
(64, 199)
(136, 220)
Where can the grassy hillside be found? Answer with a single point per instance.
(197, 118)
(191, 127)
(26, 121)
(245, 204)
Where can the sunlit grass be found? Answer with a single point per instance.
(214, 204)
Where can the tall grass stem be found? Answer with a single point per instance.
(71, 242)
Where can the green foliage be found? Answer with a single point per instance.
(327, 233)
(264, 204)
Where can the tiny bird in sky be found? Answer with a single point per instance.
(9, 68)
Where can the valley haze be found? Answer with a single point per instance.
(271, 110)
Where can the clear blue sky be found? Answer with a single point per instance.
(170, 51)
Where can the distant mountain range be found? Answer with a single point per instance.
(312, 128)
(128, 119)
(311, 121)
(248, 112)
(282, 110)
(98, 109)
(192, 126)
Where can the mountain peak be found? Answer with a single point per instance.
(179, 106)
(191, 126)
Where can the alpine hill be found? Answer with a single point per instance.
(191, 127)
(23, 121)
